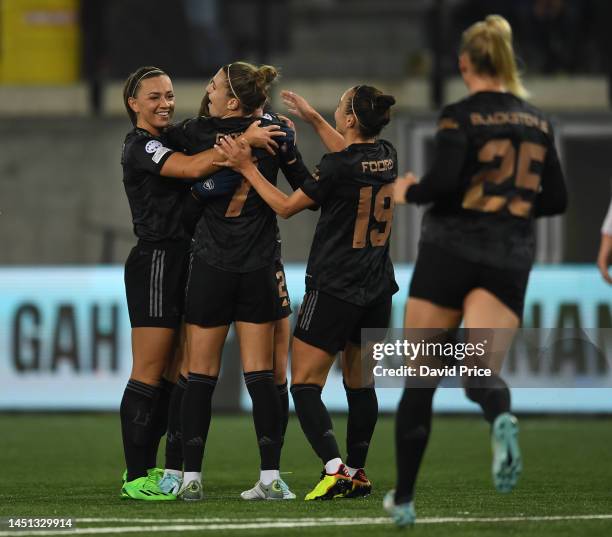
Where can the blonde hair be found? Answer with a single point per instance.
(488, 44)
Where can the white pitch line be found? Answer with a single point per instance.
(552, 518)
(198, 527)
(425, 520)
(207, 520)
(248, 524)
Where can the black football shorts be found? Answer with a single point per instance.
(155, 278)
(328, 323)
(218, 297)
(446, 279)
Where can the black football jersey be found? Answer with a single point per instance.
(237, 232)
(155, 201)
(349, 257)
(496, 168)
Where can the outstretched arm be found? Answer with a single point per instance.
(297, 105)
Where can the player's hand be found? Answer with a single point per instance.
(298, 106)
(237, 153)
(604, 258)
(401, 185)
(263, 137)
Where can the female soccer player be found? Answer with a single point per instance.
(495, 170)
(349, 278)
(234, 277)
(156, 269)
(290, 162)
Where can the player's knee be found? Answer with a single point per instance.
(304, 375)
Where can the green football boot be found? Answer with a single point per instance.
(145, 488)
(158, 472)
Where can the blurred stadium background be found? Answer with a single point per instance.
(65, 231)
(65, 227)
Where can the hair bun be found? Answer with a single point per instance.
(266, 74)
(384, 102)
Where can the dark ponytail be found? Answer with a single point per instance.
(132, 85)
(371, 107)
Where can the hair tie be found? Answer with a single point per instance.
(229, 80)
(353, 107)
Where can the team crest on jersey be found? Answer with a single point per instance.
(152, 146)
(209, 184)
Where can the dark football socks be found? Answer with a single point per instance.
(491, 393)
(266, 416)
(412, 427)
(283, 393)
(136, 413)
(174, 447)
(315, 420)
(195, 416)
(362, 417)
(159, 419)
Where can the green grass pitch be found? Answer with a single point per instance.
(70, 466)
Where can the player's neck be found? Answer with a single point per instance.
(351, 137)
(477, 84)
(149, 128)
(237, 113)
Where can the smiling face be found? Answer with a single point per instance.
(221, 101)
(153, 104)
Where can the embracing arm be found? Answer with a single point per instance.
(191, 167)
(283, 205)
(295, 172)
(237, 155)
